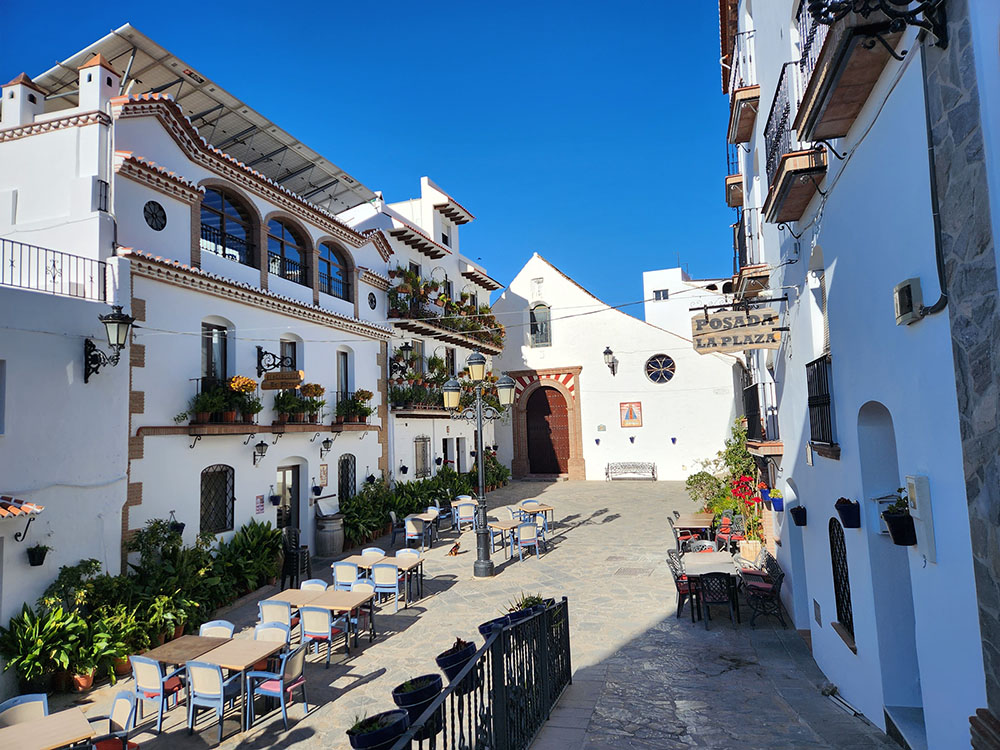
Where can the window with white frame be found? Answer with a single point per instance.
(661, 294)
(540, 332)
(422, 456)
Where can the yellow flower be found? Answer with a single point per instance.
(242, 384)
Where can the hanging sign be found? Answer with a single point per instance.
(279, 381)
(735, 330)
(631, 413)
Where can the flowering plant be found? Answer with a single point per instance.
(312, 390)
(242, 384)
(362, 395)
(761, 485)
(742, 488)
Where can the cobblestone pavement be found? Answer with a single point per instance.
(642, 677)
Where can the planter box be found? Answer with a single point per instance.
(798, 515)
(901, 529)
(850, 514)
(384, 738)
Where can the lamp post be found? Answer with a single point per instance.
(476, 363)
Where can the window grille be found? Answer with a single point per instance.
(841, 579)
(103, 190)
(820, 413)
(217, 499)
(347, 484)
(422, 456)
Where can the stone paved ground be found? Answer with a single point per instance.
(642, 678)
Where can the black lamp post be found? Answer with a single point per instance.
(117, 325)
(476, 363)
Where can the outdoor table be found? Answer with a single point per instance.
(296, 597)
(697, 564)
(504, 527)
(694, 521)
(184, 649)
(427, 518)
(539, 508)
(410, 565)
(239, 655)
(364, 561)
(48, 732)
(347, 601)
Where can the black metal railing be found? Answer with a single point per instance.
(742, 70)
(812, 35)
(229, 407)
(820, 400)
(732, 159)
(504, 695)
(217, 242)
(43, 270)
(761, 411)
(287, 268)
(779, 138)
(746, 242)
(335, 287)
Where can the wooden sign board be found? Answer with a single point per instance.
(735, 331)
(279, 381)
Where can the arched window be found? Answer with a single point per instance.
(347, 483)
(226, 228)
(540, 329)
(841, 579)
(333, 272)
(286, 252)
(217, 499)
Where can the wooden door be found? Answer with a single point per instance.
(288, 490)
(548, 432)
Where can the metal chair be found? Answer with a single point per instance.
(387, 580)
(209, 689)
(320, 626)
(701, 545)
(297, 563)
(217, 629)
(444, 514)
(153, 686)
(288, 677)
(416, 529)
(527, 536)
(715, 589)
(764, 597)
(120, 722)
(736, 532)
(686, 590)
(23, 708)
(314, 584)
(682, 538)
(344, 575)
(397, 528)
(465, 513)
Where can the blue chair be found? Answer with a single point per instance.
(217, 629)
(152, 685)
(319, 626)
(527, 536)
(373, 551)
(280, 683)
(387, 580)
(465, 512)
(444, 515)
(397, 528)
(275, 611)
(360, 621)
(23, 708)
(272, 631)
(417, 529)
(121, 721)
(344, 575)
(209, 689)
(317, 584)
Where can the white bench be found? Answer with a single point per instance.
(630, 470)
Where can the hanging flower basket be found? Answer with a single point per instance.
(798, 515)
(849, 512)
(901, 528)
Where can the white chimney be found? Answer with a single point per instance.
(98, 83)
(22, 100)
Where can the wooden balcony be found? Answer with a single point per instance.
(734, 190)
(752, 281)
(743, 106)
(839, 70)
(796, 181)
(765, 447)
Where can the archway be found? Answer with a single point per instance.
(547, 422)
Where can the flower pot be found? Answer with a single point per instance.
(275, 499)
(83, 682)
(777, 503)
(339, 419)
(122, 666)
(36, 556)
(765, 495)
(229, 416)
(384, 737)
(61, 681)
(282, 417)
(160, 639)
(248, 418)
(453, 662)
(490, 625)
(520, 614)
(203, 417)
(176, 527)
(178, 631)
(313, 418)
(901, 528)
(798, 515)
(317, 490)
(415, 702)
(850, 514)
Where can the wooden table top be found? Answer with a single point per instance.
(295, 597)
(364, 561)
(425, 517)
(48, 732)
(406, 562)
(341, 601)
(241, 653)
(184, 649)
(694, 521)
(697, 563)
(504, 525)
(540, 508)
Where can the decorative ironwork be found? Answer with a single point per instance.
(779, 138)
(819, 401)
(195, 439)
(287, 268)
(347, 482)
(250, 437)
(841, 578)
(20, 536)
(875, 38)
(229, 246)
(660, 368)
(788, 228)
(217, 499)
(828, 147)
(43, 270)
(94, 359)
(742, 71)
(268, 361)
(925, 14)
(503, 696)
(759, 408)
(335, 287)
(398, 369)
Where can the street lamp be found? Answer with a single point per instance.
(476, 363)
(116, 326)
(610, 360)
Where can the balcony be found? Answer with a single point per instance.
(794, 168)
(287, 268)
(229, 246)
(760, 409)
(744, 93)
(734, 178)
(335, 287)
(452, 322)
(752, 274)
(42, 270)
(840, 65)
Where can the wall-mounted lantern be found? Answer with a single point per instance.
(325, 447)
(259, 451)
(610, 360)
(117, 325)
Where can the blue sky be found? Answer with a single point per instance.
(590, 132)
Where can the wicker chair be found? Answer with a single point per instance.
(715, 589)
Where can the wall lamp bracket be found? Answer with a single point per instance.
(194, 441)
(250, 437)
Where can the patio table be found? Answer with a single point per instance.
(296, 597)
(540, 508)
(346, 602)
(427, 518)
(239, 655)
(694, 521)
(364, 561)
(48, 732)
(410, 565)
(697, 564)
(184, 649)
(505, 528)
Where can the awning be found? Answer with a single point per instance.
(13, 508)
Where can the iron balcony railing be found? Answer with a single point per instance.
(746, 242)
(217, 242)
(779, 137)
(43, 270)
(733, 159)
(286, 268)
(742, 70)
(504, 695)
(230, 404)
(812, 35)
(335, 287)
(761, 412)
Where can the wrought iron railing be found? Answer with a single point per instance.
(812, 35)
(779, 137)
(217, 242)
(742, 70)
(819, 400)
(335, 287)
(230, 404)
(286, 268)
(43, 270)
(746, 242)
(732, 159)
(504, 695)
(761, 411)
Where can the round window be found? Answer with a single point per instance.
(660, 368)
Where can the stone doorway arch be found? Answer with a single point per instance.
(564, 381)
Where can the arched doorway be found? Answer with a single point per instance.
(547, 421)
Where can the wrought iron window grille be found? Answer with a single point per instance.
(929, 15)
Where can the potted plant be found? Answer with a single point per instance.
(36, 554)
(34, 645)
(317, 490)
(899, 521)
(312, 393)
(161, 618)
(205, 404)
(415, 696)
(175, 526)
(275, 499)
(798, 515)
(378, 732)
(765, 494)
(126, 631)
(250, 407)
(231, 401)
(849, 512)
(92, 646)
(777, 501)
(455, 658)
(285, 404)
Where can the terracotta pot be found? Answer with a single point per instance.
(122, 666)
(202, 417)
(83, 682)
(248, 418)
(282, 417)
(313, 418)
(229, 416)
(178, 631)
(340, 419)
(160, 638)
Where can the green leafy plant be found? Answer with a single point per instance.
(901, 504)
(34, 644)
(776, 494)
(208, 401)
(366, 724)
(288, 402)
(72, 587)
(524, 601)
(250, 403)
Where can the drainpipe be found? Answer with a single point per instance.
(935, 202)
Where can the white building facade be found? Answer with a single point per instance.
(830, 175)
(663, 404)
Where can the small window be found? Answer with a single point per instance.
(448, 289)
(445, 239)
(820, 412)
(841, 577)
(415, 268)
(540, 331)
(214, 365)
(661, 294)
(418, 357)
(333, 272)
(660, 368)
(343, 376)
(32, 99)
(422, 456)
(474, 301)
(449, 362)
(103, 190)
(217, 499)
(347, 481)
(289, 356)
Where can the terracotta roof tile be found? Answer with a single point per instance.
(101, 60)
(11, 507)
(128, 156)
(24, 80)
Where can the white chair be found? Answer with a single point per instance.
(24, 708)
(387, 580)
(416, 529)
(314, 584)
(465, 512)
(217, 629)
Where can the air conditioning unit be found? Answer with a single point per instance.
(908, 299)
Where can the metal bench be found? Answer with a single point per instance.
(630, 470)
